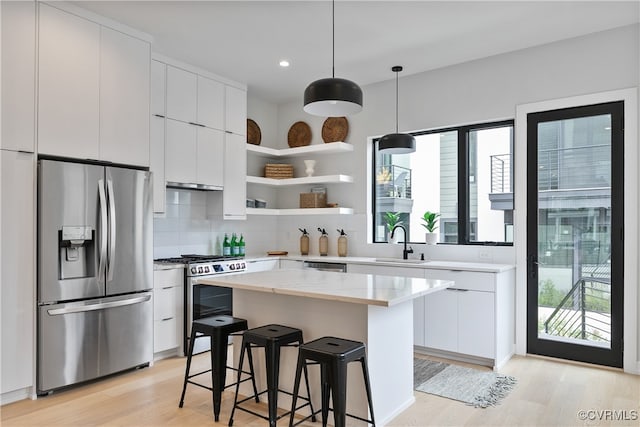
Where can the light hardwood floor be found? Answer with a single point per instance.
(548, 393)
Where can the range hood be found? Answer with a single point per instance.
(193, 186)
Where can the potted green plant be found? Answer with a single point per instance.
(392, 219)
(431, 224)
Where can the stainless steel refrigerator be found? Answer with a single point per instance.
(95, 272)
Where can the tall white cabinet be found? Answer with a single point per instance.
(93, 90)
(17, 293)
(18, 75)
(17, 204)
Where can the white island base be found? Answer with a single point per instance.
(376, 310)
(386, 331)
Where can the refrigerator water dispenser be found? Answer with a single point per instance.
(76, 248)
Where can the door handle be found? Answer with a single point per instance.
(533, 266)
(112, 230)
(103, 231)
(99, 306)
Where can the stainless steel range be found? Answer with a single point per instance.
(202, 301)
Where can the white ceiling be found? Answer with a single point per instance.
(245, 40)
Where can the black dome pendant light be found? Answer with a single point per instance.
(397, 143)
(333, 97)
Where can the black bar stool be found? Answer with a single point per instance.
(272, 338)
(218, 329)
(333, 355)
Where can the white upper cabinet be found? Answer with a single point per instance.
(210, 103)
(18, 75)
(157, 136)
(194, 99)
(124, 98)
(182, 95)
(234, 205)
(158, 89)
(236, 110)
(93, 93)
(68, 85)
(156, 163)
(181, 152)
(210, 153)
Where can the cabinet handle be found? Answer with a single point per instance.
(167, 287)
(159, 115)
(168, 318)
(197, 124)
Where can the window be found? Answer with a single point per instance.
(462, 173)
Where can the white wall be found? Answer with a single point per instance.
(478, 91)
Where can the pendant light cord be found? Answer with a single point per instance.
(397, 101)
(333, 38)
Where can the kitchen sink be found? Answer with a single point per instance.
(401, 261)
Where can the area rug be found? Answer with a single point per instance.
(477, 388)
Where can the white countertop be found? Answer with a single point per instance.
(434, 264)
(367, 289)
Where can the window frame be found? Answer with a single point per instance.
(464, 192)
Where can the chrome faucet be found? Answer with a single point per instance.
(405, 251)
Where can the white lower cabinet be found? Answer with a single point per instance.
(290, 263)
(474, 318)
(167, 309)
(262, 265)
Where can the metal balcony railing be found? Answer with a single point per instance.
(501, 173)
(584, 313)
(393, 181)
(574, 168)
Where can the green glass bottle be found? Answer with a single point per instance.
(226, 246)
(235, 249)
(241, 245)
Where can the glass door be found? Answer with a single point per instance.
(574, 233)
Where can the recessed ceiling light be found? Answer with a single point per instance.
(284, 63)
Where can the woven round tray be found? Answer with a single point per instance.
(254, 136)
(335, 129)
(299, 135)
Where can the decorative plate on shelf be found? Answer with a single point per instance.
(299, 135)
(277, 253)
(335, 129)
(254, 136)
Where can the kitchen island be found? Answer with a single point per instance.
(374, 309)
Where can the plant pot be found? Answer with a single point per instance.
(431, 238)
(395, 239)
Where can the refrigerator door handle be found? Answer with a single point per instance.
(98, 306)
(112, 230)
(103, 231)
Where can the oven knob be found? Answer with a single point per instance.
(243, 266)
(232, 266)
(199, 269)
(194, 270)
(206, 269)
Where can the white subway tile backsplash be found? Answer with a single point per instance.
(166, 238)
(172, 211)
(184, 197)
(172, 196)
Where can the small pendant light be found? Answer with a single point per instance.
(397, 143)
(333, 97)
